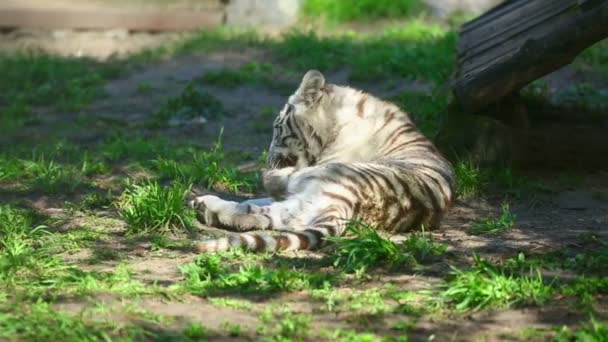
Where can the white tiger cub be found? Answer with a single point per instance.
(337, 154)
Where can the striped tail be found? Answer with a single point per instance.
(306, 239)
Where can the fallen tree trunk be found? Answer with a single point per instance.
(520, 41)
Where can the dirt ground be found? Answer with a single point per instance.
(555, 219)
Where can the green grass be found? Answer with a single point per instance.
(150, 207)
(121, 148)
(473, 180)
(518, 282)
(191, 103)
(37, 79)
(74, 240)
(469, 179)
(594, 331)
(186, 164)
(594, 57)
(428, 48)
(284, 325)
(19, 255)
(195, 332)
(40, 322)
(488, 285)
(373, 301)
(365, 249)
(208, 168)
(251, 73)
(52, 177)
(231, 303)
(54, 168)
(341, 10)
(588, 262)
(492, 225)
(422, 246)
(210, 274)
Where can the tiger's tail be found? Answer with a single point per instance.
(307, 239)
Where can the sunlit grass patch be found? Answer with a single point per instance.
(429, 53)
(284, 325)
(39, 79)
(73, 240)
(208, 168)
(50, 176)
(372, 301)
(366, 248)
(488, 285)
(55, 168)
(428, 50)
(41, 322)
(337, 10)
(119, 148)
(21, 257)
(211, 273)
(231, 303)
(150, 207)
(492, 225)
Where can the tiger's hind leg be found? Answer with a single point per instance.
(242, 217)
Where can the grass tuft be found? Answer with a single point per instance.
(149, 207)
(366, 249)
(487, 285)
(211, 274)
(469, 179)
(192, 103)
(495, 225)
(208, 168)
(38, 79)
(423, 247)
(21, 256)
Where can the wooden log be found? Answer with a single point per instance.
(529, 42)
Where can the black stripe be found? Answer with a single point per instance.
(337, 197)
(270, 223)
(260, 244)
(331, 229)
(431, 195)
(389, 184)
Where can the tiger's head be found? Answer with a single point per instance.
(299, 127)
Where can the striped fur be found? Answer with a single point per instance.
(337, 154)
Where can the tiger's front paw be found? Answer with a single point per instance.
(276, 180)
(203, 206)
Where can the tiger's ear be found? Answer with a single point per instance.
(310, 88)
